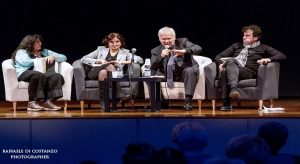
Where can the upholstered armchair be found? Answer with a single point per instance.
(178, 92)
(264, 87)
(87, 90)
(16, 91)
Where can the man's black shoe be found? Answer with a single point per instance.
(125, 98)
(226, 108)
(188, 105)
(164, 104)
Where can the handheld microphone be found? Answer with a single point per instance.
(133, 50)
(167, 46)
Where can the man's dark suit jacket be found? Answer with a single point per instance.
(159, 64)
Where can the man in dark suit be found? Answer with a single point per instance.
(241, 61)
(173, 59)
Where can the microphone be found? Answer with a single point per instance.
(133, 50)
(167, 46)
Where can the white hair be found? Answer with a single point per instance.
(166, 30)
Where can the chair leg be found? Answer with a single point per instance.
(260, 104)
(123, 104)
(65, 105)
(239, 103)
(82, 105)
(271, 103)
(213, 103)
(15, 107)
(90, 104)
(132, 103)
(200, 104)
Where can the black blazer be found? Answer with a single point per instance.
(257, 53)
(159, 64)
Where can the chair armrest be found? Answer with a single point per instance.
(66, 70)
(210, 71)
(79, 77)
(200, 87)
(79, 74)
(210, 76)
(268, 79)
(9, 75)
(202, 60)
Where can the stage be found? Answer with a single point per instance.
(73, 135)
(246, 109)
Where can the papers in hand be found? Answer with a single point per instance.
(41, 65)
(107, 63)
(225, 59)
(156, 76)
(273, 110)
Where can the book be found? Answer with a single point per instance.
(273, 110)
(41, 65)
(98, 65)
(225, 59)
(157, 76)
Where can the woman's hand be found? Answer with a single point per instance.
(50, 59)
(101, 61)
(114, 62)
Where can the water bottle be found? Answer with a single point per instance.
(147, 71)
(119, 70)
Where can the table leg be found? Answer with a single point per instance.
(152, 97)
(113, 95)
(157, 95)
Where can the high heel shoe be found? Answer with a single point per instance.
(125, 99)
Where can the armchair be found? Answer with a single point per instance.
(87, 90)
(18, 90)
(178, 91)
(264, 87)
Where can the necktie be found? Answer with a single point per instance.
(170, 68)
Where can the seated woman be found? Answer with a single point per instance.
(42, 86)
(109, 57)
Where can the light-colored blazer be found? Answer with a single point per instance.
(101, 52)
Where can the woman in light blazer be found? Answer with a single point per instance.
(100, 63)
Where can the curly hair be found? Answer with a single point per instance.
(27, 44)
(111, 36)
(255, 28)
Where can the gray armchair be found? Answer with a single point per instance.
(265, 87)
(87, 90)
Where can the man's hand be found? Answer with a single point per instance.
(264, 61)
(221, 67)
(178, 52)
(165, 53)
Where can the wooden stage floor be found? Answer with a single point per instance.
(247, 109)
